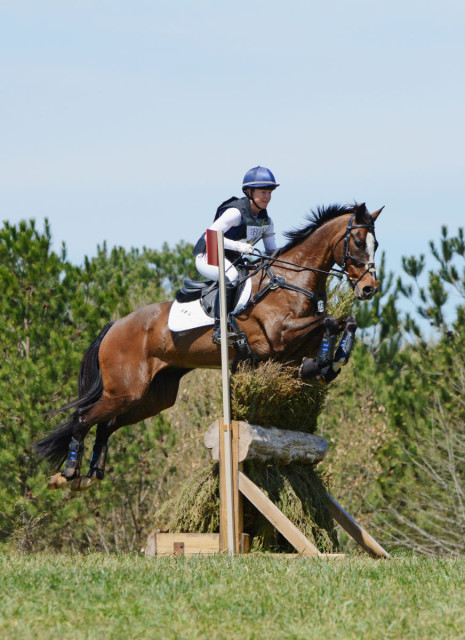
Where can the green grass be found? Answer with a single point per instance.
(105, 597)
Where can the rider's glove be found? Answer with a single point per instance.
(243, 247)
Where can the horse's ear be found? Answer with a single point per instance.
(376, 213)
(360, 213)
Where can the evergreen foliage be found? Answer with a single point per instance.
(50, 311)
(404, 475)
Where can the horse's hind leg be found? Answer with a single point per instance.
(72, 468)
(98, 459)
(103, 410)
(116, 373)
(100, 449)
(161, 395)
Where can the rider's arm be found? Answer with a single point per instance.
(269, 240)
(230, 218)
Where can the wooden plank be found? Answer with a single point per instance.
(151, 544)
(244, 543)
(261, 502)
(356, 531)
(198, 546)
(237, 496)
(324, 556)
(188, 544)
(194, 543)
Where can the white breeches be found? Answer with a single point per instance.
(213, 273)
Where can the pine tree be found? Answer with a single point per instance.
(50, 311)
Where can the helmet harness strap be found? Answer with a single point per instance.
(251, 198)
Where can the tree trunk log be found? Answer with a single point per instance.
(281, 445)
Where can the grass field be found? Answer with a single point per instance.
(257, 596)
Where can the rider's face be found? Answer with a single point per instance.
(261, 197)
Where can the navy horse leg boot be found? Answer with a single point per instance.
(230, 299)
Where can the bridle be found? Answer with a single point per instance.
(346, 255)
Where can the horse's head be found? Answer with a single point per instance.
(355, 251)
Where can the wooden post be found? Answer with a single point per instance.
(238, 515)
(237, 495)
(227, 473)
(222, 482)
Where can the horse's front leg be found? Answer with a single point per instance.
(295, 337)
(344, 349)
(327, 366)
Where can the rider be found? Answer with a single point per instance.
(243, 221)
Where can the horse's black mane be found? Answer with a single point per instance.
(316, 219)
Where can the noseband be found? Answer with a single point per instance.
(346, 255)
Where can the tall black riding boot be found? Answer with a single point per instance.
(230, 299)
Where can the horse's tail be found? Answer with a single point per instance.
(54, 447)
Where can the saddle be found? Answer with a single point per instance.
(206, 290)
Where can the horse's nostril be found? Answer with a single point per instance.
(368, 291)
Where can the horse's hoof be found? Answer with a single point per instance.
(83, 483)
(58, 481)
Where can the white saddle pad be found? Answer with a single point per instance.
(190, 315)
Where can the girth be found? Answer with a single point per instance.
(280, 282)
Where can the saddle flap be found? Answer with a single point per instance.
(208, 297)
(190, 315)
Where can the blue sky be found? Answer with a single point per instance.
(130, 122)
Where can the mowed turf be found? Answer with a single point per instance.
(257, 596)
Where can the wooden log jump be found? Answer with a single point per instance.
(258, 443)
(251, 442)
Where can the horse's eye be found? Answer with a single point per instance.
(359, 243)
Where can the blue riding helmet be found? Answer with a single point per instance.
(259, 178)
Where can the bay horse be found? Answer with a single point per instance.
(132, 370)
